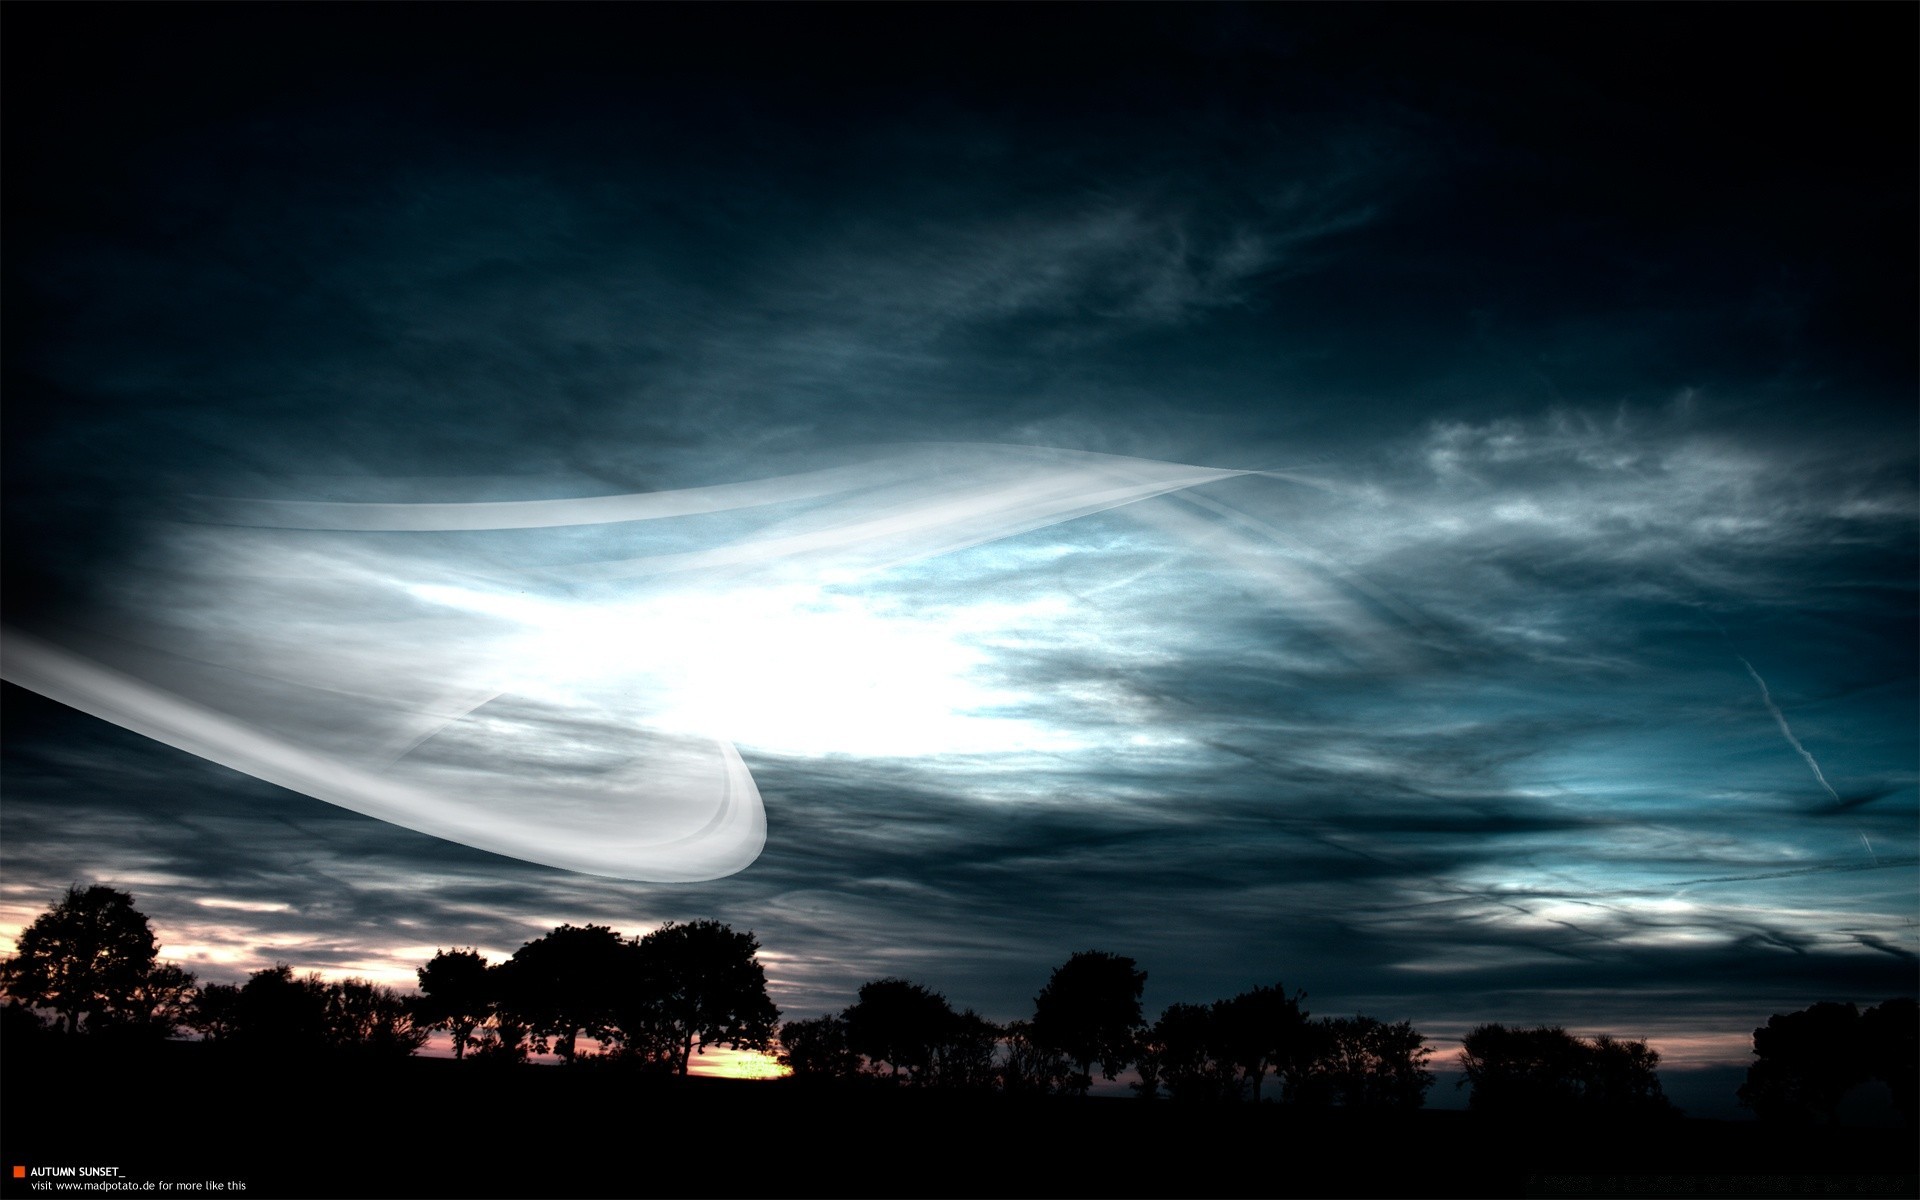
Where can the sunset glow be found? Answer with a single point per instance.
(722, 1063)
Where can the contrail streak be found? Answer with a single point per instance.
(1766, 698)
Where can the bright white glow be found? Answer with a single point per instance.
(791, 669)
(577, 699)
(254, 906)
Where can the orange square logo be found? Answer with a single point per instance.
(19, 1172)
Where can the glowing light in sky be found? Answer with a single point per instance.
(419, 664)
(790, 669)
(722, 1063)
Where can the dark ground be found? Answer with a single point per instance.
(175, 1115)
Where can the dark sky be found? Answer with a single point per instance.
(1418, 503)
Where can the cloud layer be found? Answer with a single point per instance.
(1530, 393)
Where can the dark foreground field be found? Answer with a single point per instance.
(181, 1121)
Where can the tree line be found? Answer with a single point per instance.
(90, 964)
(655, 1001)
(1088, 1016)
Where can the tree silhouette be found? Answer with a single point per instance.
(818, 1048)
(1550, 1070)
(280, 1014)
(963, 1057)
(1089, 1011)
(1261, 1029)
(20, 1027)
(504, 1037)
(1359, 1062)
(1621, 1077)
(697, 985)
(164, 999)
(1811, 1058)
(456, 994)
(1029, 1066)
(1522, 1069)
(900, 1024)
(92, 955)
(215, 1012)
(1182, 1053)
(156, 1008)
(565, 984)
(365, 1019)
(1890, 1038)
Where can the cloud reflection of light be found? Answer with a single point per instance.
(422, 681)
